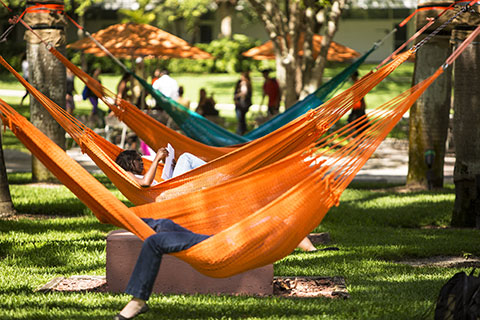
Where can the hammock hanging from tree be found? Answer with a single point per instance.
(201, 129)
(243, 238)
(156, 135)
(288, 139)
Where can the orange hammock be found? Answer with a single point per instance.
(290, 138)
(246, 235)
(156, 135)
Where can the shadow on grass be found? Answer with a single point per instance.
(22, 178)
(384, 207)
(43, 226)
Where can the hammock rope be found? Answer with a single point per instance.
(289, 216)
(263, 151)
(425, 27)
(441, 27)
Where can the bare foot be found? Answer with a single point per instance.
(306, 245)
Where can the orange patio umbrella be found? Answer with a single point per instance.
(336, 52)
(131, 40)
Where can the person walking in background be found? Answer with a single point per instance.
(156, 75)
(169, 88)
(206, 105)
(69, 98)
(243, 101)
(138, 92)
(358, 109)
(166, 85)
(25, 76)
(181, 99)
(271, 89)
(124, 88)
(88, 94)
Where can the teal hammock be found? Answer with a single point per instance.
(203, 130)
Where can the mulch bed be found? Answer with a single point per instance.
(291, 287)
(76, 284)
(445, 262)
(310, 287)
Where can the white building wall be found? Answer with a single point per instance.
(362, 34)
(358, 34)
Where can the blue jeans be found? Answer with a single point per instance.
(242, 122)
(170, 237)
(94, 102)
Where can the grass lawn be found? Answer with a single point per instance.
(374, 227)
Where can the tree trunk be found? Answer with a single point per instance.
(429, 116)
(226, 12)
(47, 74)
(80, 35)
(6, 205)
(313, 73)
(466, 133)
(285, 23)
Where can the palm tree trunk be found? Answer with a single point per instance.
(429, 116)
(47, 74)
(466, 134)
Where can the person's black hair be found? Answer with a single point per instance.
(180, 90)
(126, 75)
(125, 160)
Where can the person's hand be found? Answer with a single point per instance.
(162, 153)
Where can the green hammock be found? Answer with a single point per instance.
(201, 129)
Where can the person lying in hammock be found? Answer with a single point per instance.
(131, 161)
(170, 237)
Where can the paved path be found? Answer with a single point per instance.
(388, 164)
(18, 161)
(11, 93)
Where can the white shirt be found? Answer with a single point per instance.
(167, 86)
(25, 68)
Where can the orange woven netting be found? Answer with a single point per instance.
(157, 135)
(257, 218)
(256, 154)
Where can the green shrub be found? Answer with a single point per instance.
(227, 55)
(13, 52)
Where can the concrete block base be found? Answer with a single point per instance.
(176, 276)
